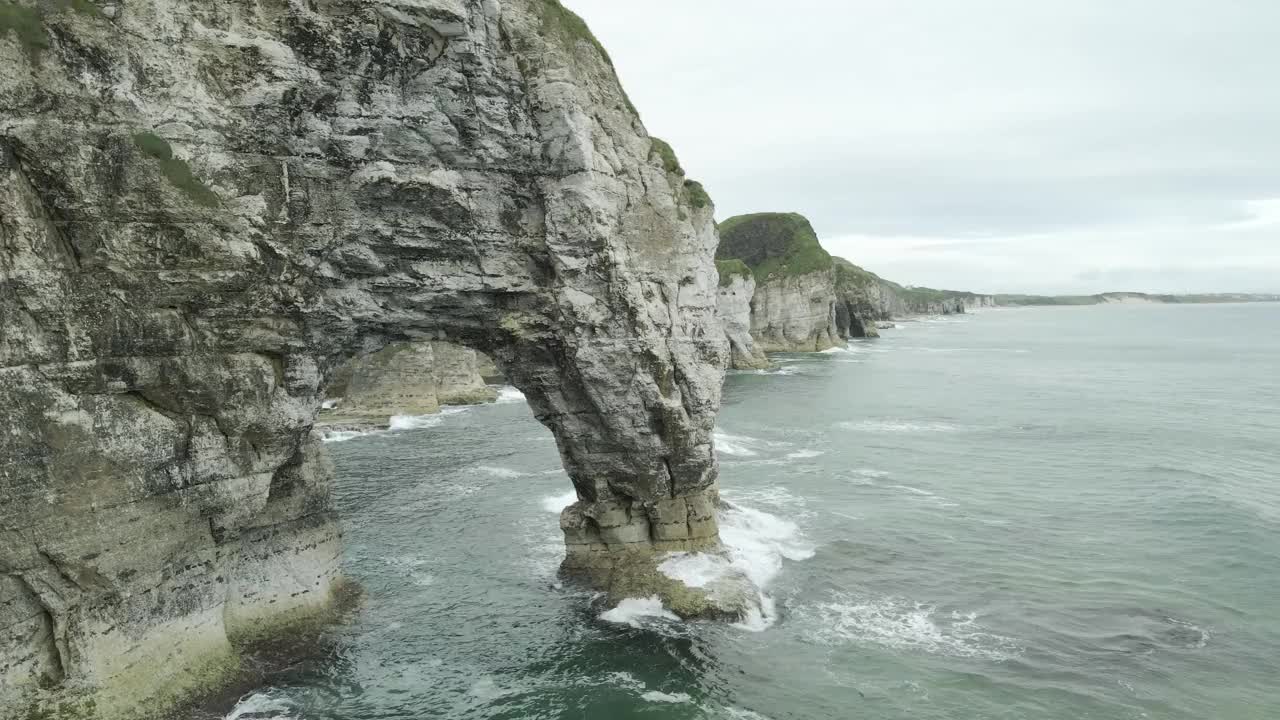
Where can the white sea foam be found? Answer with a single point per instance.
(557, 503)
(414, 422)
(898, 426)
(633, 611)
(913, 490)
(739, 445)
(759, 541)
(655, 696)
(756, 543)
(909, 626)
(337, 436)
(508, 394)
(780, 370)
(775, 496)
(695, 569)
(740, 714)
(265, 705)
(501, 472)
(803, 454)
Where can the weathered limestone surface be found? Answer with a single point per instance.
(405, 379)
(795, 313)
(207, 207)
(736, 292)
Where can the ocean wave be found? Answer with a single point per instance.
(914, 490)
(509, 394)
(263, 705)
(734, 444)
(557, 503)
(636, 612)
(805, 454)
(338, 436)
(503, 473)
(900, 624)
(899, 426)
(756, 544)
(414, 422)
(657, 696)
(789, 369)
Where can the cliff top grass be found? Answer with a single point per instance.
(560, 20)
(663, 150)
(773, 244)
(562, 23)
(730, 268)
(696, 194)
(850, 275)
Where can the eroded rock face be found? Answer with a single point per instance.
(736, 292)
(796, 313)
(207, 207)
(406, 378)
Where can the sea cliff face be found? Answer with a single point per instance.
(737, 289)
(806, 300)
(795, 313)
(405, 379)
(793, 309)
(208, 207)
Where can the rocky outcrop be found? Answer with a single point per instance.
(793, 309)
(414, 378)
(737, 288)
(208, 207)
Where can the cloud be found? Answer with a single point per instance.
(1056, 145)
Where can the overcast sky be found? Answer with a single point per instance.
(993, 145)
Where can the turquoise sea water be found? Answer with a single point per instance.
(1041, 513)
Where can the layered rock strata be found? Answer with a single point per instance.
(207, 208)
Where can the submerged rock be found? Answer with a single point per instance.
(207, 208)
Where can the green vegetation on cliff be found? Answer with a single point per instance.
(561, 21)
(27, 23)
(730, 268)
(176, 170)
(849, 275)
(781, 244)
(692, 190)
(696, 194)
(667, 154)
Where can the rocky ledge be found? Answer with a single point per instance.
(207, 208)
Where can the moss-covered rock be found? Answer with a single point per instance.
(175, 170)
(27, 23)
(783, 244)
